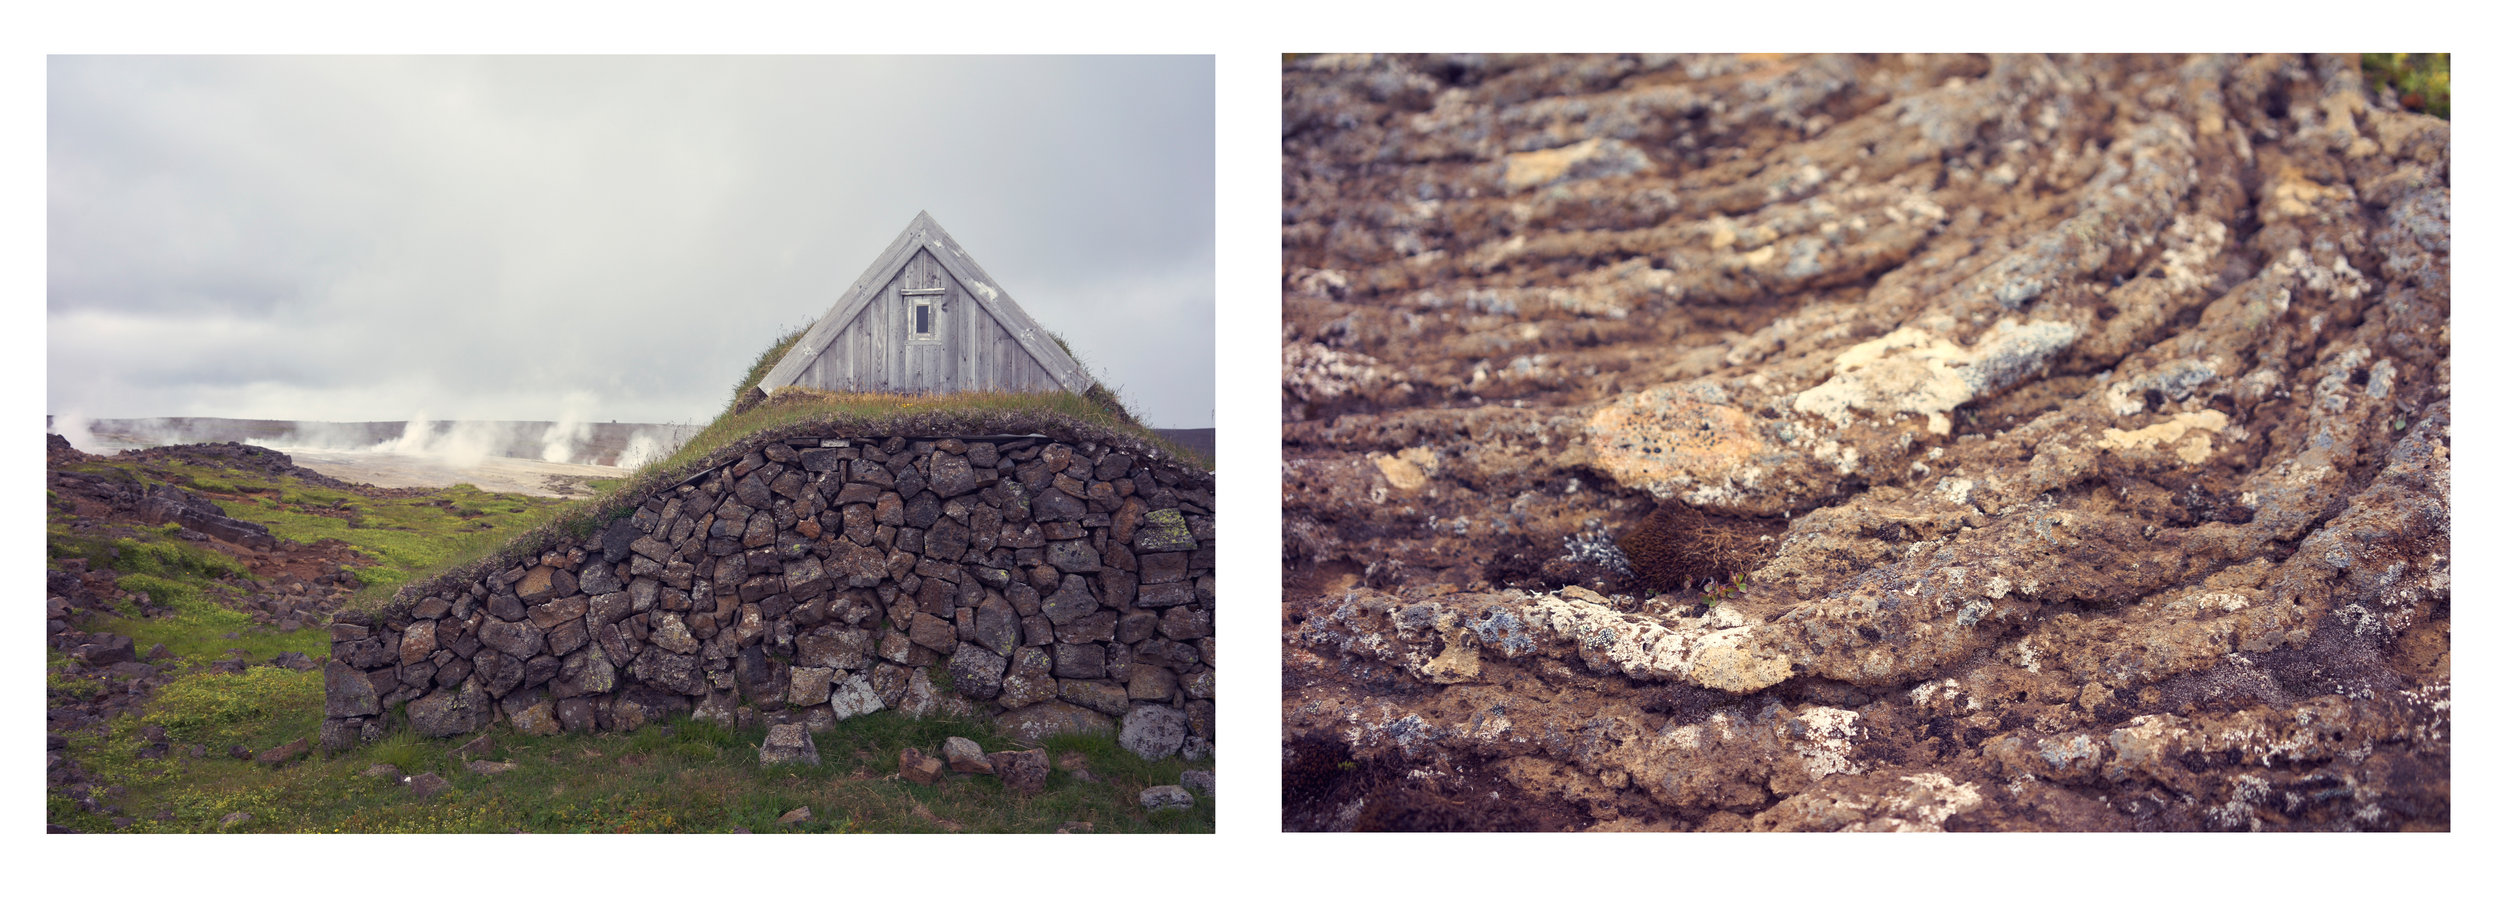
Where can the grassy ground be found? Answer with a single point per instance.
(192, 585)
(683, 777)
(405, 535)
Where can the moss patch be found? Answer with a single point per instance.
(1676, 547)
(2420, 80)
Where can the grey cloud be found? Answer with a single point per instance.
(363, 238)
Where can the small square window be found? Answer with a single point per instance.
(924, 304)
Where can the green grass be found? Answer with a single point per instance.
(174, 559)
(685, 776)
(157, 552)
(187, 586)
(764, 361)
(408, 536)
(62, 691)
(225, 709)
(2421, 80)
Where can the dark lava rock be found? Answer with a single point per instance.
(1861, 443)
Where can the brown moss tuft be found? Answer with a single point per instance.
(1107, 400)
(1678, 548)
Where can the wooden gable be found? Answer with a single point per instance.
(925, 318)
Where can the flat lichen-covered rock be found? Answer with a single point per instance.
(2048, 443)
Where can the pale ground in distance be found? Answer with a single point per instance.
(515, 475)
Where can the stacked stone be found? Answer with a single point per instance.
(814, 580)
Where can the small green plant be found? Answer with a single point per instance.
(583, 522)
(2420, 80)
(62, 690)
(408, 752)
(1714, 590)
(174, 559)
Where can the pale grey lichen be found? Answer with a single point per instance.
(1503, 631)
(1596, 548)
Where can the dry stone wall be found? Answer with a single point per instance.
(1060, 584)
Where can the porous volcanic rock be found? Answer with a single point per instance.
(1996, 442)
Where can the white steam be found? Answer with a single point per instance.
(456, 443)
(318, 437)
(642, 449)
(74, 427)
(460, 444)
(573, 439)
(571, 430)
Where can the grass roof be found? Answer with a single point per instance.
(753, 419)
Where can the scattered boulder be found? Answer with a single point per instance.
(109, 650)
(426, 785)
(1023, 772)
(964, 755)
(1202, 781)
(284, 753)
(1166, 798)
(172, 504)
(921, 768)
(1074, 764)
(478, 747)
(789, 743)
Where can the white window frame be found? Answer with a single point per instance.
(914, 298)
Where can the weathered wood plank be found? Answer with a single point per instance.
(983, 339)
(1020, 325)
(861, 292)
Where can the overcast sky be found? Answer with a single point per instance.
(605, 238)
